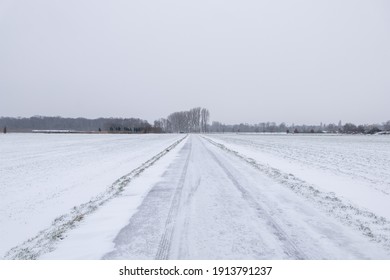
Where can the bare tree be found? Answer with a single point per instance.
(194, 120)
(386, 126)
(178, 121)
(205, 115)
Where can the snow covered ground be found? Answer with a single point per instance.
(206, 197)
(43, 176)
(355, 167)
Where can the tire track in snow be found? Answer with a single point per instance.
(45, 240)
(166, 239)
(289, 247)
(373, 227)
(183, 245)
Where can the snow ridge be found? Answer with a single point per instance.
(374, 227)
(46, 240)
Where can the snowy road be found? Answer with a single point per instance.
(211, 204)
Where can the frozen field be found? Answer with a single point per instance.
(43, 176)
(365, 158)
(354, 167)
(205, 197)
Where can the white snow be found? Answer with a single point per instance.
(209, 204)
(354, 167)
(210, 197)
(44, 176)
(94, 236)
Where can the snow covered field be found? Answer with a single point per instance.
(206, 197)
(355, 167)
(44, 176)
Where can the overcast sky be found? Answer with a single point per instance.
(246, 61)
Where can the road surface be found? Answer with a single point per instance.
(210, 204)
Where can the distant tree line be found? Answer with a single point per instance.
(195, 120)
(77, 124)
(272, 127)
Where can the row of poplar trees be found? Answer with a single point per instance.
(195, 120)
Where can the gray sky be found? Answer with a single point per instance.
(246, 61)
